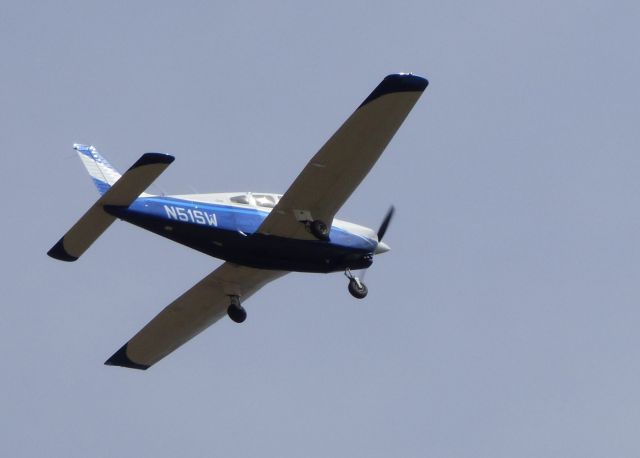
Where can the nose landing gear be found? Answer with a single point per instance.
(236, 311)
(356, 287)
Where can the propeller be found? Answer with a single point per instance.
(382, 247)
(385, 223)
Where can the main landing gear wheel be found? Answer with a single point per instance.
(319, 230)
(356, 287)
(236, 311)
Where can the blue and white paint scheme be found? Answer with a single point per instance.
(260, 236)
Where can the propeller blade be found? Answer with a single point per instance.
(385, 223)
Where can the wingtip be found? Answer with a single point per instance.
(120, 358)
(60, 253)
(398, 82)
(419, 82)
(153, 158)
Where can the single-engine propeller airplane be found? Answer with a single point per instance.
(260, 236)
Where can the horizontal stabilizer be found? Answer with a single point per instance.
(123, 192)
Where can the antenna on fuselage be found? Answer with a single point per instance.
(159, 188)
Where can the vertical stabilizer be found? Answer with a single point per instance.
(102, 173)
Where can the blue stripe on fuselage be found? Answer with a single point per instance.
(230, 218)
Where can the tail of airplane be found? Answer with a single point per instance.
(116, 190)
(102, 173)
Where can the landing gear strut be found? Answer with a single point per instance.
(356, 287)
(236, 311)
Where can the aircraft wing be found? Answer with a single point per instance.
(337, 169)
(190, 314)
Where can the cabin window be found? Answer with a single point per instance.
(260, 200)
(241, 199)
(265, 200)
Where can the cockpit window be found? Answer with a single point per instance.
(241, 199)
(261, 200)
(265, 200)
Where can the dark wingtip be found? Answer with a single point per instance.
(58, 252)
(153, 158)
(121, 359)
(399, 82)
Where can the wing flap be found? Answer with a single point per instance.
(190, 314)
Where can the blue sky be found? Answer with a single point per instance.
(504, 321)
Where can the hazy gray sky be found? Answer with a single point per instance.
(504, 322)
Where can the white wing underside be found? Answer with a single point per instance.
(193, 312)
(339, 167)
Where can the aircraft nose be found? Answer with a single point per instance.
(382, 248)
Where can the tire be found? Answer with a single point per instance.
(237, 313)
(357, 292)
(319, 230)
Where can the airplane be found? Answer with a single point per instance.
(259, 236)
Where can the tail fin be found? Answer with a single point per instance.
(102, 173)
